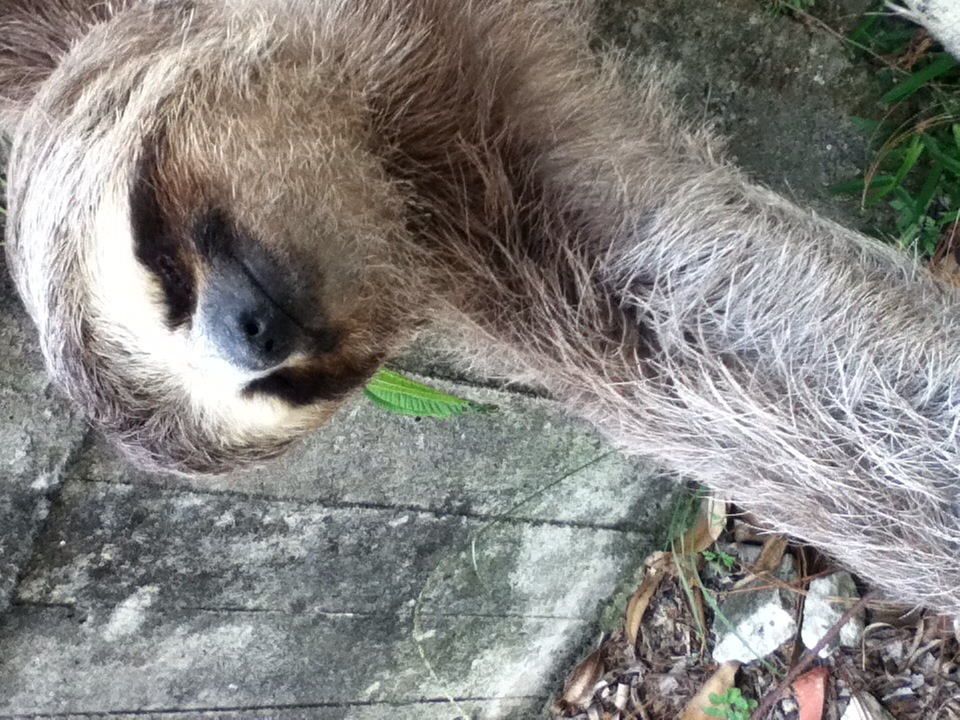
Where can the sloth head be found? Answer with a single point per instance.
(198, 224)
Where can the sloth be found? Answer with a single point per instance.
(225, 215)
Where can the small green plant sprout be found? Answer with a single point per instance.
(730, 705)
(398, 394)
(720, 561)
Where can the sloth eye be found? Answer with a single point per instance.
(160, 250)
(171, 273)
(212, 234)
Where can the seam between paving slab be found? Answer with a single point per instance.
(313, 612)
(507, 518)
(262, 708)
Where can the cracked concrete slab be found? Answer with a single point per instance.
(105, 543)
(388, 560)
(38, 433)
(65, 661)
(440, 709)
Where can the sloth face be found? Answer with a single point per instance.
(201, 233)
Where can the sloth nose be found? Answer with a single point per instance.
(246, 326)
(264, 338)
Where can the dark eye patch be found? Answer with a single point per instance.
(213, 235)
(158, 248)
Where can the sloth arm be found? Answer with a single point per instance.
(799, 369)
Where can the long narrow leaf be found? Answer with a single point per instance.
(949, 163)
(866, 124)
(928, 190)
(855, 187)
(913, 152)
(943, 64)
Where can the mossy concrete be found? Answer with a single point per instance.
(388, 562)
(780, 90)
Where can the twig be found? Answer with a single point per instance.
(770, 699)
(844, 39)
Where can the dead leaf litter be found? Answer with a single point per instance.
(723, 583)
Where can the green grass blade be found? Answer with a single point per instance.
(866, 30)
(913, 152)
(396, 393)
(928, 190)
(865, 124)
(855, 187)
(950, 163)
(940, 66)
(910, 154)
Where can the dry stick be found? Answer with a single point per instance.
(808, 657)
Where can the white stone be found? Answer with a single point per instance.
(828, 598)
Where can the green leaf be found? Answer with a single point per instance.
(912, 153)
(928, 190)
(398, 394)
(866, 30)
(951, 164)
(909, 156)
(866, 124)
(941, 65)
(855, 187)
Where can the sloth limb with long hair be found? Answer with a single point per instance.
(225, 215)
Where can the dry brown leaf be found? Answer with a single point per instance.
(657, 566)
(864, 706)
(916, 49)
(719, 683)
(699, 613)
(809, 689)
(578, 689)
(711, 521)
(771, 554)
(945, 263)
